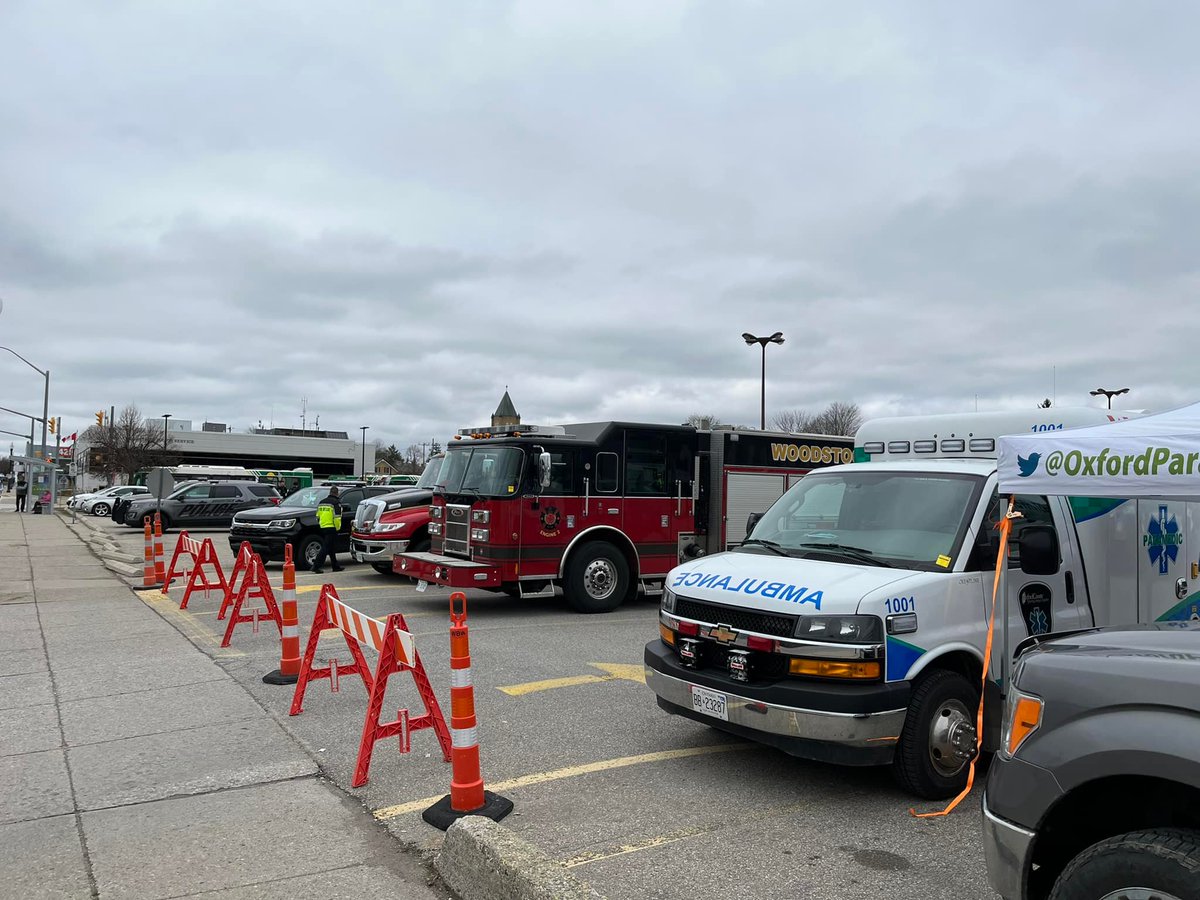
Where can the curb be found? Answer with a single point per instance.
(482, 860)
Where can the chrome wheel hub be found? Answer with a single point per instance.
(600, 579)
(951, 738)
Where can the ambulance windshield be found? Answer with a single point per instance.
(483, 471)
(912, 520)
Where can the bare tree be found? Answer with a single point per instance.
(127, 445)
(838, 417)
(797, 421)
(703, 420)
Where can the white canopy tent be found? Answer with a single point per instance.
(1153, 456)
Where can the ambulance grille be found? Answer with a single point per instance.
(737, 619)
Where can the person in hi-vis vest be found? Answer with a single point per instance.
(329, 520)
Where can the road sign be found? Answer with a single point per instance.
(161, 482)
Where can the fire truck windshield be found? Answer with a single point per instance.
(485, 471)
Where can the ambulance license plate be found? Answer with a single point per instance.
(422, 584)
(709, 703)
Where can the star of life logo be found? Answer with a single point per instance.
(1162, 540)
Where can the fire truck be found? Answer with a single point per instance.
(600, 509)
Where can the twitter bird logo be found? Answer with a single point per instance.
(1028, 464)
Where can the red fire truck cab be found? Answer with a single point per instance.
(600, 508)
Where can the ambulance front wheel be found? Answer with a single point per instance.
(938, 741)
(597, 578)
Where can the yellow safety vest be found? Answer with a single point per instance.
(328, 515)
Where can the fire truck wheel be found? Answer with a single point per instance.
(597, 578)
(382, 568)
(938, 739)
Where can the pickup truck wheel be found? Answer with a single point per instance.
(1156, 864)
(597, 578)
(309, 548)
(938, 740)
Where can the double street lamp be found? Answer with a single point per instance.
(776, 338)
(1109, 394)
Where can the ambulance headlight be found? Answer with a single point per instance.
(842, 629)
(668, 600)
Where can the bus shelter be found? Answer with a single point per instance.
(41, 482)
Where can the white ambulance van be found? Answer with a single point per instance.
(850, 625)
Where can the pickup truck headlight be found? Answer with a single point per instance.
(1022, 716)
(390, 526)
(282, 523)
(840, 629)
(668, 600)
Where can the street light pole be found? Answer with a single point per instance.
(363, 462)
(751, 340)
(1109, 394)
(165, 416)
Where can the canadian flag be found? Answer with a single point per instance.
(71, 439)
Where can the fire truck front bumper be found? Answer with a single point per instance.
(856, 726)
(450, 571)
(369, 549)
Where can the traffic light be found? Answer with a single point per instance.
(100, 418)
(58, 421)
(52, 426)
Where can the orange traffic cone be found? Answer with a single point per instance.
(148, 573)
(289, 655)
(160, 564)
(467, 796)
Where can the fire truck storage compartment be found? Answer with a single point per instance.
(745, 493)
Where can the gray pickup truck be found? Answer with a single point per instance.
(1095, 793)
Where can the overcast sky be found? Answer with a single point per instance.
(395, 210)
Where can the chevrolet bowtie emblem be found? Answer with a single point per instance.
(722, 634)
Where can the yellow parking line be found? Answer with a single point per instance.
(672, 837)
(529, 687)
(187, 623)
(615, 671)
(390, 812)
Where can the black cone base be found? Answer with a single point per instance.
(278, 677)
(440, 815)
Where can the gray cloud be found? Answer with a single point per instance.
(395, 212)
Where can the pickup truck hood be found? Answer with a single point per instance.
(271, 513)
(778, 584)
(1179, 640)
(406, 499)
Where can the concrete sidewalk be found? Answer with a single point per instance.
(132, 765)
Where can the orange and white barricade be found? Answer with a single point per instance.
(185, 555)
(198, 578)
(467, 796)
(289, 644)
(397, 654)
(241, 565)
(255, 586)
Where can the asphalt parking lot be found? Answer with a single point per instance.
(635, 802)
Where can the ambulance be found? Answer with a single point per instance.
(850, 625)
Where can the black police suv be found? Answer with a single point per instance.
(294, 521)
(203, 503)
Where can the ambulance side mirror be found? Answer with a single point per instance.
(1039, 550)
(752, 520)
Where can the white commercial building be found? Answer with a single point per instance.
(325, 452)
